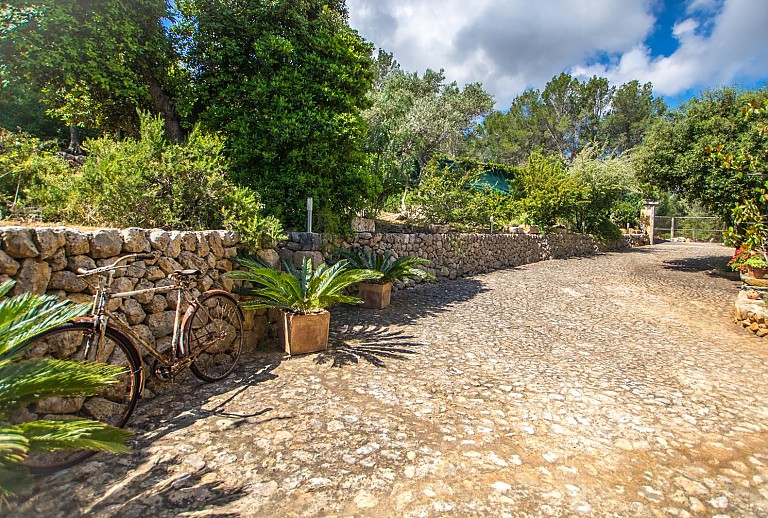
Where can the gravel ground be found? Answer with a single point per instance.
(615, 385)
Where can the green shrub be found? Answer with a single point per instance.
(150, 182)
(550, 194)
(25, 162)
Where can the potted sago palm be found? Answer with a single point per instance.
(302, 298)
(377, 294)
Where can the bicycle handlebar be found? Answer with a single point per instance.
(82, 272)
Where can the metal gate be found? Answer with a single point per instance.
(694, 228)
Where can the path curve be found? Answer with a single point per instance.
(615, 385)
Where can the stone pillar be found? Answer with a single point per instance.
(648, 218)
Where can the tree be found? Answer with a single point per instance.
(565, 118)
(413, 118)
(285, 82)
(94, 61)
(24, 381)
(633, 110)
(607, 187)
(674, 154)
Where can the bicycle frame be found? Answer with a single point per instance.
(179, 358)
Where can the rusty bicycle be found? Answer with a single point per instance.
(207, 337)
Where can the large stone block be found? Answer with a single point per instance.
(33, 277)
(159, 239)
(105, 243)
(67, 281)
(160, 324)
(135, 240)
(18, 243)
(76, 243)
(49, 240)
(7, 265)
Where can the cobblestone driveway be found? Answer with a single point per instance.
(614, 385)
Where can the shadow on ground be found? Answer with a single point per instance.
(713, 266)
(377, 336)
(128, 485)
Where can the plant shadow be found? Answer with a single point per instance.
(349, 344)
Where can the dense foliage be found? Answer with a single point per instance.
(285, 81)
(566, 117)
(145, 182)
(412, 118)
(674, 154)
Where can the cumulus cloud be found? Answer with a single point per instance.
(731, 46)
(511, 45)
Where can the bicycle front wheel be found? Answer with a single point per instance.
(112, 405)
(213, 334)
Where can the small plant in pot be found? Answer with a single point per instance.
(750, 260)
(302, 298)
(377, 295)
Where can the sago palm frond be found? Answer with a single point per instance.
(27, 315)
(22, 383)
(77, 434)
(304, 290)
(404, 267)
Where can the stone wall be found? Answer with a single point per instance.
(751, 314)
(452, 255)
(44, 260)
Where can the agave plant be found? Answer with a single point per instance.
(23, 381)
(304, 291)
(391, 269)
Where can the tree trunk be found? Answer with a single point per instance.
(165, 107)
(74, 141)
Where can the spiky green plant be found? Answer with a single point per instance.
(304, 291)
(23, 317)
(391, 269)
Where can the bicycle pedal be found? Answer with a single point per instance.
(162, 372)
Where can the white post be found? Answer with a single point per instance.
(309, 215)
(491, 224)
(672, 229)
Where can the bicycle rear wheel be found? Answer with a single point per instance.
(113, 405)
(213, 334)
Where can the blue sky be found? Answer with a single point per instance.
(681, 46)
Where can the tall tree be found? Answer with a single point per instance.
(413, 118)
(633, 110)
(94, 61)
(285, 81)
(674, 154)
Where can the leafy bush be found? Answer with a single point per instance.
(466, 192)
(25, 161)
(550, 194)
(150, 182)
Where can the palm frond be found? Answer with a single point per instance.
(303, 291)
(77, 434)
(13, 447)
(25, 316)
(392, 269)
(30, 380)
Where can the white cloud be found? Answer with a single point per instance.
(734, 49)
(511, 45)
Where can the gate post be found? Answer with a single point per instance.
(648, 218)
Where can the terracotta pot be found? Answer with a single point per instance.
(375, 296)
(756, 273)
(302, 334)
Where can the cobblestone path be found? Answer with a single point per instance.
(608, 386)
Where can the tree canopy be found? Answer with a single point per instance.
(674, 154)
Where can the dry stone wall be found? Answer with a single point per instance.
(451, 255)
(44, 260)
(751, 313)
